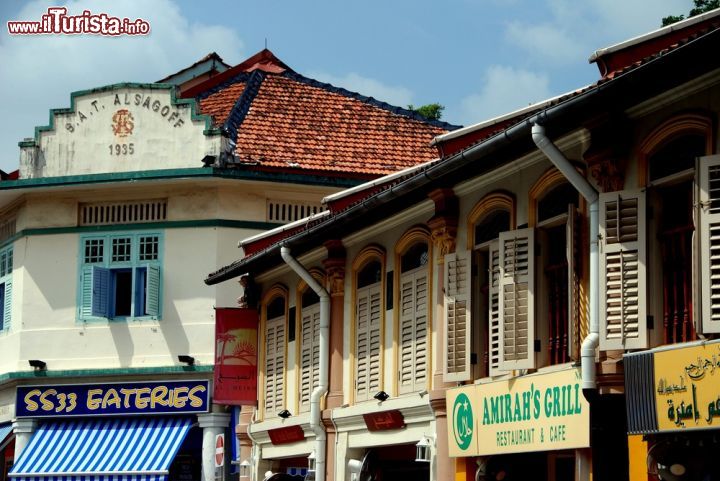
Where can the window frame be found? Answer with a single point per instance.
(273, 293)
(686, 123)
(571, 218)
(138, 268)
(368, 254)
(481, 311)
(408, 240)
(6, 281)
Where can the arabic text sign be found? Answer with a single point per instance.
(687, 387)
(112, 399)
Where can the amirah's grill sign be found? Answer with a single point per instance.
(540, 412)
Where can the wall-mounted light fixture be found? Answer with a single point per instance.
(37, 364)
(245, 469)
(311, 461)
(185, 359)
(284, 414)
(422, 450)
(381, 396)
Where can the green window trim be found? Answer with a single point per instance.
(120, 276)
(6, 270)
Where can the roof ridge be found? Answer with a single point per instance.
(241, 77)
(369, 100)
(242, 106)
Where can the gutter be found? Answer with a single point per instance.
(322, 388)
(591, 342)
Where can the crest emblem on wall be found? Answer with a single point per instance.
(122, 123)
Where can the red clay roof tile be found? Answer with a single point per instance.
(219, 104)
(294, 125)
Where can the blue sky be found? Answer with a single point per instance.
(479, 58)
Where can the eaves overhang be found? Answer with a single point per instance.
(631, 86)
(192, 172)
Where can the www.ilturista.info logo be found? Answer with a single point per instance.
(57, 21)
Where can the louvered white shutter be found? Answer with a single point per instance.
(457, 316)
(274, 365)
(709, 226)
(412, 371)
(494, 308)
(367, 341)
(309, 354)
(517, 274)
(622, 263)
(573, 329)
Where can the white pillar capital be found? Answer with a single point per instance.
(24, 425)
(23, 429)
(213, 420)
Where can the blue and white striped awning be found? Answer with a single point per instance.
(5, 430)
(129, 449)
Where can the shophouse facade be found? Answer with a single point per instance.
(477, 317)
(117, 207)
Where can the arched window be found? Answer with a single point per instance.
(413, 281)
(667, 158)
(493, 214)
(369, 302)
(556, 204)
(274, 320)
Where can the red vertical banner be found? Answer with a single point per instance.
(236, 354)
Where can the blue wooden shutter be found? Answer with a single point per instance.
(152, 291)
(100, 300)
(7, 304)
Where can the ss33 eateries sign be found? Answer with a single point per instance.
(112, 399)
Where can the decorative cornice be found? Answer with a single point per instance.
(443, 232)
(606, 172)
(335, 269)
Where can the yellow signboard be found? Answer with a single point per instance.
(540, 412)
(687, 387)
(462, 421)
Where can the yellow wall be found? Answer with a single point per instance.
(637, 455)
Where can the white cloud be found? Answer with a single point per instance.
(392, 94)
(504, 89)
(554, 43)
(39, 73)
(576, 28)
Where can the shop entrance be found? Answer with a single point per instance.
(542, 466)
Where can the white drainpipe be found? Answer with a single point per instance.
(318, 392)
(590, 343)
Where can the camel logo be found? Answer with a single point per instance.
(122, 123)
(462, 421)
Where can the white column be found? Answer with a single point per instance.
(23, 429)
(212, 424)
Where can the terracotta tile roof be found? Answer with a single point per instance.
(293, 123)
(219, 104)
(284, 121)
